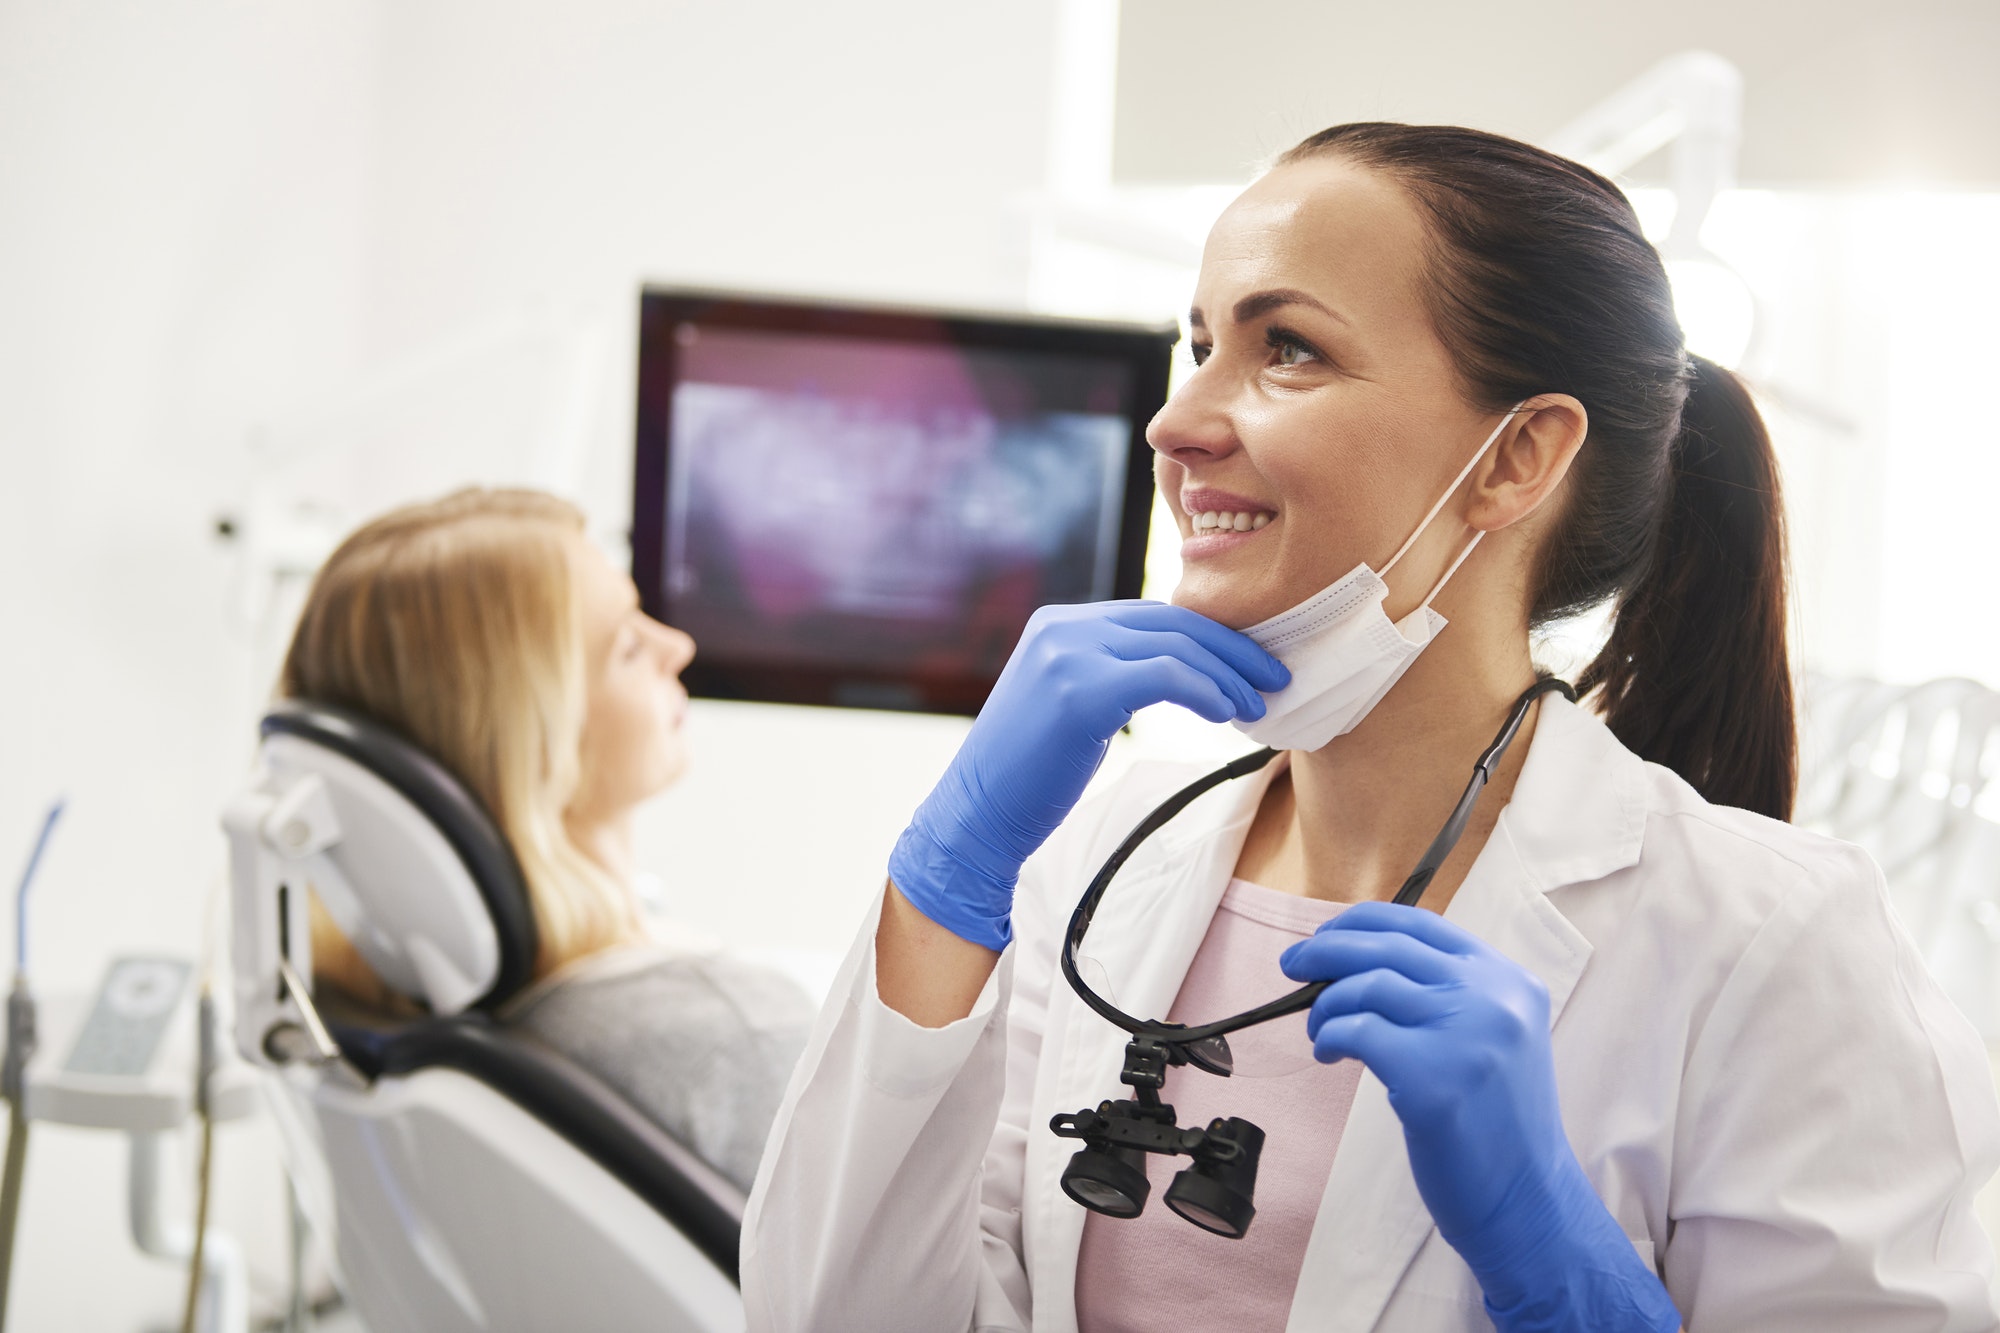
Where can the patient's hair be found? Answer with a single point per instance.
(454, 623)
(1543, 283)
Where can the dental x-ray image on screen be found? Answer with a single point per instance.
(863, 507)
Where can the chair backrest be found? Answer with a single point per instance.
(464, 1174)
(404, 858)
(1908, 772)
(446, 1207)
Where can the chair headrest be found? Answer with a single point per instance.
(439, 907)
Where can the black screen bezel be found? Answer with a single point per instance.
(1148, 350)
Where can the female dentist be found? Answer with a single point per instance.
(1644, 1057)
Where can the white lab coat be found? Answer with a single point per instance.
(1783, 1112)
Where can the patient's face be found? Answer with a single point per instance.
(633, 746)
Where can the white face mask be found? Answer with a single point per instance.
(1342, 649)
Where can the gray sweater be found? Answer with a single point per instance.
(702, 1043)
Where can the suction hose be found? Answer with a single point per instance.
(20, 1046)
(205, 1067)
(14, 1065)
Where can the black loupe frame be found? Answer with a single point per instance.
(1215, 1192)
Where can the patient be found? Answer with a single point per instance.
(487, 629)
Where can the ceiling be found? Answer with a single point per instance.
(1836, 93)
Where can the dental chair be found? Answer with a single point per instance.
(460, 1174)
(1909, 773)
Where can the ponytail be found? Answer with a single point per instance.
(1543, 282)
(1696, 674)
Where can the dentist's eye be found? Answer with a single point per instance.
(1289, 350)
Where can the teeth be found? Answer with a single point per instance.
(1217, 521)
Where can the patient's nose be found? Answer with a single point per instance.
(677, 648)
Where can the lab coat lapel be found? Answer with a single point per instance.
(1145, 934)
(1577, 814)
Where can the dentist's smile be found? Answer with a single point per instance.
(1218, 521)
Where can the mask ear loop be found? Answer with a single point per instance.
(1444, 499)
(1438, 587)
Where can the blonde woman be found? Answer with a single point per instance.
(486, 628)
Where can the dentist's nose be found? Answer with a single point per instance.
(1192, 428)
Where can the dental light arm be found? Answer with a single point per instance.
(1693, 102)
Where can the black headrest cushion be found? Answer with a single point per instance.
(456, 812)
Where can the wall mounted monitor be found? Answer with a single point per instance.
(861, 506)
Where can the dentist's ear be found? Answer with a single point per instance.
(1528, 462)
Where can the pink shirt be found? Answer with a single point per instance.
(1159, 1271)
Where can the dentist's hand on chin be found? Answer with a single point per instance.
(1076, 677)
(1459, 1035)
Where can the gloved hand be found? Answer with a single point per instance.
(1459, 1035)
(1077, 676)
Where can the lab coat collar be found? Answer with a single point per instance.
(1579, 809)
(1578, 813)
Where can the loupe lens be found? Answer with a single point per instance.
(1209, 1204)
(1111, 1181)
(1216, 1195)
(1211, 1054)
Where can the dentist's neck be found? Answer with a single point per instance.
(1350, 821)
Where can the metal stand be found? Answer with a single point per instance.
(298, 1314)
(225, 1293)
(149, 1110)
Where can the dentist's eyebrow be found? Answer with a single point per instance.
(1263, 303)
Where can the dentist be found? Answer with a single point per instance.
(1644, 1056)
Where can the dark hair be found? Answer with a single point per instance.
(1543, 283)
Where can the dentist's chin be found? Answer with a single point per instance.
(1202, 597)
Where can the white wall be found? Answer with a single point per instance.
(180, 251)
(556, 159)
(218, 217)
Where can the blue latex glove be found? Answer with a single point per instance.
(1459, 1035)
(1076, 677)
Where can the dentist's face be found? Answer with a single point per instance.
(633, 746)
(1324, 417)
